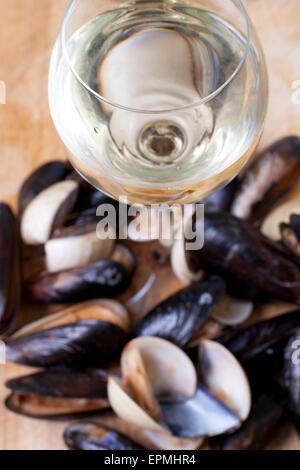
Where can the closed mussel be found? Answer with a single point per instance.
(252, 266)
(291, 375)
(181, 315)
(104, 278)
(10, 271)
(91, 436)
(57, 393)
(85, 335)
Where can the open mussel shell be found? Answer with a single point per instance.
(224, 377)
(75, 246)
(181, 315)
(151, 440)
(85, 335)
(232, 311)
(104, 278)
(281, 215)
(252, 265)
(266, 414)
(147, 366)
(43, 177)
(153, 369)
(91, 436)
(10, 270)
(271, 175)
(55, 393)
(249, 342)
(202, 415)
(291, 375)
(47, 211)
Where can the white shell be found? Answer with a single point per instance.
(71, 252)
(232, 311)
(39, 215)
(125, 407)
(270, 225)
(179, 263)
(169, 369)
(225, 378)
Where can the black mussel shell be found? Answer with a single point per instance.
(221, 200)
(87, 343)
(10, 270)
(105, 278)
(272, 175)
(181, 315)
(267, 412)
(67, 383)
(40, 179)
(248, 343)
(251, 264)
(291, 375)
(91, 436)
(202, 415)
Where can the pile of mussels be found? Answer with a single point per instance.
(191, 371)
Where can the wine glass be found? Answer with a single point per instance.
(158, 100)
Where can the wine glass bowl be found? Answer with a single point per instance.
(159, 101)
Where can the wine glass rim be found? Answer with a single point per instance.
(194, 104)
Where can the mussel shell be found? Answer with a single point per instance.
(181, 315)
(10, 270)
(291, 374)
(67, 383)
(272, 175)
(201, 415)
(43, 177)
(248, 343)
(53, 408)
(91, 436)
(105, 278)
(221, 200)
(265, 416)
(86, 343)
(252, 265)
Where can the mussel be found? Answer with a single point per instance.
(91, 436)
(252, 265)
(221, 200)
(74, 246)
(10, 270)
(249, 342)
(266, 414)
(291, 373)
(182, 314)
(159, 392)
(43, 177)
(104, 278)
(85, 335)
(47, 211)
(272, 174)
(57, 393)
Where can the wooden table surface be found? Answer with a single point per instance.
(28, 138)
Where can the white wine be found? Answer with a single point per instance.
(164, 60)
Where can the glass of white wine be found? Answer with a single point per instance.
(162, 101)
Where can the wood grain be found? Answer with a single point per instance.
(28, 137)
